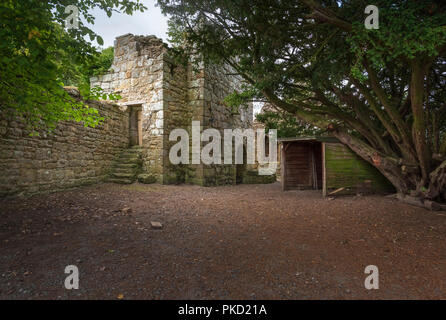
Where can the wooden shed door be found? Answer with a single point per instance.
(297, 166)
(302, 165)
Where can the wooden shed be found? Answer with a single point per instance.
(323, 163)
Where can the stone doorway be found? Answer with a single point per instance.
(135, 125)
(241, 168)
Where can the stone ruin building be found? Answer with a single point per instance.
(158, 95)
(161, 95)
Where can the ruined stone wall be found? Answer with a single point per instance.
(172, 96)
(177, 114)
(202, 101)
(70, 156)
(220, 82)
(195, 101)
(197, 95)
(137, 75)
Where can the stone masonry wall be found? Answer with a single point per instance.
(137, 75)
(70, 156)
(177, 114)
(220, 82)
(195, 97)
(206, 89)
(172, 96)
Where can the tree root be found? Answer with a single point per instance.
(422, 203)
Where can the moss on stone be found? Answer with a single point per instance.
(146, 178)
(252, 177)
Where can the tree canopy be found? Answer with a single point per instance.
(38, 57)
(380, 91)
(286, 124)
(79, 75)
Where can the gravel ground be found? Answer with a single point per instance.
(234, 242)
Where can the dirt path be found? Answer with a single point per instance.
(243, 242)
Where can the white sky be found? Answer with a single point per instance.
(149, 22)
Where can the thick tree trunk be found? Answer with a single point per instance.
(437, 184)
(403, 178)
(419, 121)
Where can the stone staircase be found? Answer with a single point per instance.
(127, 166)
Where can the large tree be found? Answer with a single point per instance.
(38, 53)
(381, 92)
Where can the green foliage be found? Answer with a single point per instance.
(37, 57)
(78, 74)
(407, 29)
(96, 93)
(101, 63)
(237, 99)
(287, 125)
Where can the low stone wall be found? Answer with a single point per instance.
(71, 156)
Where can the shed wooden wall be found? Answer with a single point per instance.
(345, 169)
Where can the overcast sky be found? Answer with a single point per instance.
(150, 22)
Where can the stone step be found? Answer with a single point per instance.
(121, 181)
(124, 175)
(129, 160)
(120, 165)
(125, 170)
(133, 149)
(127, 164)
(131, 153)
